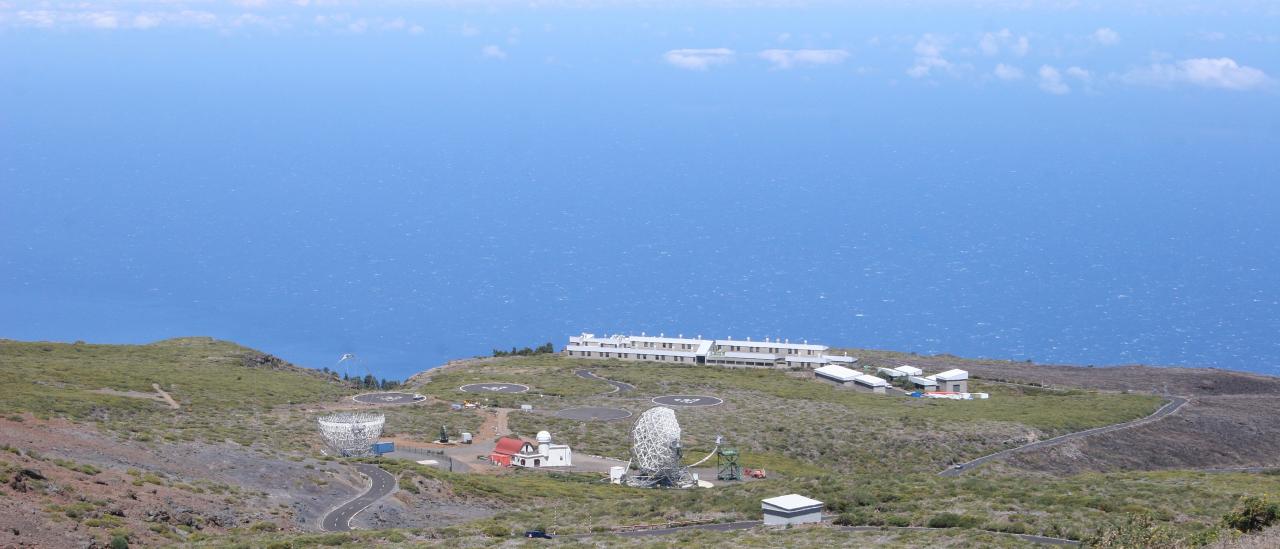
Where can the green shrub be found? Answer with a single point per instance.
(1134, 531)
(264, 526)
(897, 520)
(119, 542)
(952, 520)
(1253, 513)
(495, 530)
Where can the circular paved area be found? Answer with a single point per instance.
(494, 388)
(687, 400)
(388, 398)
(593, 413)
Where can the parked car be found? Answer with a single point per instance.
(538, 533)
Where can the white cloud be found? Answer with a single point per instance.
(1022, 46)
(1051, 81)
(698, 59)
(1105, 36)
(1007, 73)
(785, 59)
(1222, 73)
(104, 20)
(469, 30)
(991, 43)
(1080, 74)
(492, 51)
(929, 56)
(146, 21)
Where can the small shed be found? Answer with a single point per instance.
(953, 381)
(791, 509)
(891, 373)
(836, 374)
(926, 383)
(871, 383)
(909, 370)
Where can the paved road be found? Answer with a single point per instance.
(618, 386)
(381, 483)
(1170, 407)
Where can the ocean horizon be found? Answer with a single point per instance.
(417, 197)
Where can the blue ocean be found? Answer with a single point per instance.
(417, 197)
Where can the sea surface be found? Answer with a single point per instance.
(311, 199)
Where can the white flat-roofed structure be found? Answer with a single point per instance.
(791, 509)
(893, 373)
(838, 374)
(952, 381)
(769, 353)
(872, 383)
(925, 383)
(909, 370)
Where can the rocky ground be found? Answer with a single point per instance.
(70, 485)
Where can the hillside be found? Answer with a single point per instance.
(240, 461)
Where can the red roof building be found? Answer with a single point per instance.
(506, 448)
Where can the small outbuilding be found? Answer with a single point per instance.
(870, 383)
(891, 373)
(791, 509)
(909, 370)
(926, 383)
(836, 374)
(953, 381)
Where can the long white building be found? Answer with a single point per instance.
(724, 352)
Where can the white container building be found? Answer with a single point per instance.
(791, 509)
(952, 381)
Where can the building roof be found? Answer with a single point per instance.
(746, 355)
(508, 446)
(952, 375)
(807, 359)
(652, 339)
(772, 344)
(910, 370)
(922, 380)
(791, 502)
(838, 373)
(871, 381)
(894, 372)
(840, 358)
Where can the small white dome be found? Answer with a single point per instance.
(544, 437)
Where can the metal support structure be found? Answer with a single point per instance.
(727, 466)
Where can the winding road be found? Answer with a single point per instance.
(618, 386)
(1174, 403)
(381, 483)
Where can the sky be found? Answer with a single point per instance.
(1081, 182)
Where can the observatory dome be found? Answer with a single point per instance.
(544, 437)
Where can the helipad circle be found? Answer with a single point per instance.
(687, 400)
(593, 413)
(494, 387)
(389, 397)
